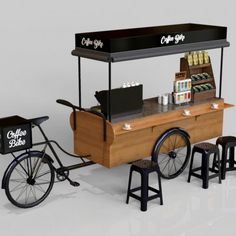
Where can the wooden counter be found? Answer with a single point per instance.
(123, 146)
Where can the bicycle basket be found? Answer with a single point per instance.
(15, 134)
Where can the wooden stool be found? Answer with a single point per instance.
(144, 167)
(228, 143)
(206, 149)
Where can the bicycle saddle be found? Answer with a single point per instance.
(37, 121)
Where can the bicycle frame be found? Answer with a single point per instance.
(48, 143)
(62, 168)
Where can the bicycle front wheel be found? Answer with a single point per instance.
(29, 180)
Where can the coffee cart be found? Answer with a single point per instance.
(124, 127)
(164, 134)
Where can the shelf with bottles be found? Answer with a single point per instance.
(182, 97)
(200, 66)
(196, 69)
(201, 74)
(203, 95)
(201, 78)
(182, 88)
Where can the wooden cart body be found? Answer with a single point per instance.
(124, 146)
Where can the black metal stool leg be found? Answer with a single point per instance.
(215, 163)
(223, 162)
(129, 185)
(231, 157)
(160, 188)
(144, 191)
(217, 155)
(190, 167)
(205, 171)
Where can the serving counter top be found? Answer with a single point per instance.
(155, 114)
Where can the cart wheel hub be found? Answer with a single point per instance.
(172, 154)
(30, 181)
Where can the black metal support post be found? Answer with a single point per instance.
(221, 70)
(79, 80)
(109, 91)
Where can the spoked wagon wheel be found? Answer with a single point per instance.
(172, 152)
(29, 180)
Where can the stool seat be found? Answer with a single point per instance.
(226, 140)
(145, 164)
(206, 149)
(144, 167)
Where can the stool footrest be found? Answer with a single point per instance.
(131, 193)
(230, 168)
(135, 196)
(135, 189)
(153, 189)
(213, 176)
(227, 168)
(196, 169)
(213, 170)
(153, 197)
(158, 194)
(196, 175)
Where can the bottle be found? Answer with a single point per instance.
(177, 86)
(195, 58)
(206, 57)
(190, 60)
(200, 58)
(189, 84)
(186, 85)
(178, 99)
(186, 96)
(189, 96)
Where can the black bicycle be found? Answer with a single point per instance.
(29, 178)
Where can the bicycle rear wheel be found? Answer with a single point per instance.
(172, 153)
(29, 180)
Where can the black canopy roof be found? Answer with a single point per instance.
(136, 43)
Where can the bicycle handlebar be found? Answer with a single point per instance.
(68, 104)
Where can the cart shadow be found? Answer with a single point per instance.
(112, 181)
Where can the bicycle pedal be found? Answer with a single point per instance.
(75, 184)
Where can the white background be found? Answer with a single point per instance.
(36, 65)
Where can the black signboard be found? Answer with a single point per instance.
(15, 134)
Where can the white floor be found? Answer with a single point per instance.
(98, 207)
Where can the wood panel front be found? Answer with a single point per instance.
(139, 144)
(124, 146)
